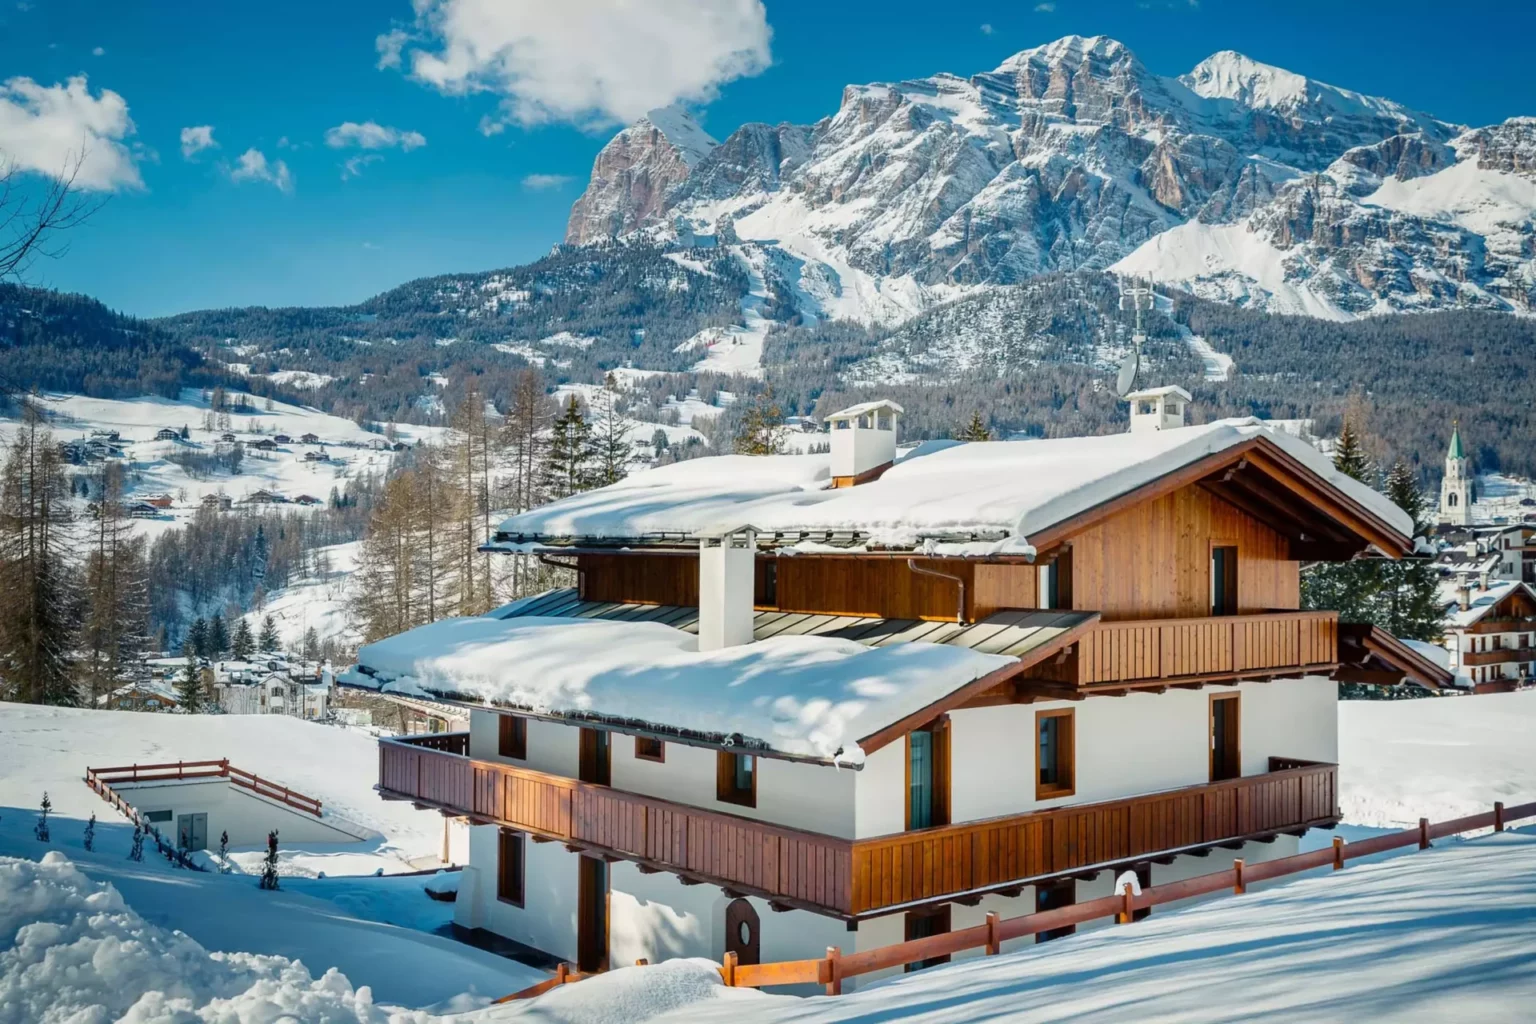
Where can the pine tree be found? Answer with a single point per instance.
(41, 828)
(611, 448)
(567, 468)
(115, 627)
(1411, 585)
(269, 641)
(269, 864)
(1349, 456)
(37, 582)
(243, 644)
(136, 851)
(762, 428)
(89, 839)
(218, 637)
(197, 636)
(189, 686)
(311, 649)
(975, 430)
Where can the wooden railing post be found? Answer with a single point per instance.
(1338, 853)
(1127, 905)
(561, 973)
(834, 971)
(1498, 816)
(1423, 833)
(1238, 886)
(994, 933)
(728, 968)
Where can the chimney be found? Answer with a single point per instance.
(863, 441)
(1482, 580)
(726, 584)
(1158, 408)
(1464, 597)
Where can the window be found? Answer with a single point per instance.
(1056, 581)
(883, 421)
(1055, 771)
(1224, 580)
(736, 779)
(157, 816)
(649, 748)
(1226, 731)
(509, 867)
(596, 762)
(928, 776)
(513, 739)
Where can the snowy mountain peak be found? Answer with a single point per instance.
(1067, 50)
(679, 128)
(1232, 76)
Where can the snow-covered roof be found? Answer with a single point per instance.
(1167, 389)
(1483, 603)
(802, 696)
(853, 412)
(979, 498)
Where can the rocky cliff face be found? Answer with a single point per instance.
(1238, 180)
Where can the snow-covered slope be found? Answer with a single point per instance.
(1073, 155)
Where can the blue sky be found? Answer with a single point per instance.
(471, 162)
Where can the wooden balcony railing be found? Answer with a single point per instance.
(451, 742)
(851, 877)
(1498, 656)
(1224, 646)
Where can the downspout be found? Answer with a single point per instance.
(960, 610)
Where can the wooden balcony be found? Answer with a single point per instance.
(848, 878)
(1499, 656)
(1143, 652)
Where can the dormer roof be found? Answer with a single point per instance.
(1166, 390)
(853, 412)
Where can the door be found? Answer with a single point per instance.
(1224, 580)
(595, 758)
(928, 775)
(1226, 729)
(920, 924)
(743, 932)
(1054, 896)
(592, 916)
(192, 831)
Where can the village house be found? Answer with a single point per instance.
(167, 434)
(273, 693)
(316, 456)
(150, 695)
(1492, 635)
(306, 499)
(160, 500)
(216, 502)
(854, 698)
(282, 439)
(309, 439)
(263, 497)
(227, 438)
(263, 444)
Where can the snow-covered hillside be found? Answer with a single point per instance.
(170, 468)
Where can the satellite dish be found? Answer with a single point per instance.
(1128, 367)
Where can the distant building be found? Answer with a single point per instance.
(1493, 633)
(316, 456)
(107, 435)
(167, 434)
(227, 438)
(159, 500)
(264, 497)
(147, 696)
(264, 444)
(306, 499)
(309, 439)
(1456, 487)
(218, 502)
(282, 439)
(142, 510)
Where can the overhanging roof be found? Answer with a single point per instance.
(1372, 655)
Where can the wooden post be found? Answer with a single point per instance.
(1498, 816)
(834, 971)
(1127, 907)
(994, 933)
(1338, 853)
(728, 968)
(560, 973)
(1238, 886)
(1423, 833)
(641, 962)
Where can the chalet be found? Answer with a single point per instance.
(152, 695)
(142, 510)
(263, 497)
(309, 439)
(307, 499)
(852, 698)
(282, 439)
(1492, 634)
(217, 502)
(264, 444)
(273, 693)
(227, 438)
(379, 444)
(167, 434)
(108, 436)
(160, 500)
(314, 455)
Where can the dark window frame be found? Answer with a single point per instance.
(512, 737)
(728, 787)
(649, 748)
(511, 867)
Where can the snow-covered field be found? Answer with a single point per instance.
(318, 601)
(1424, 936)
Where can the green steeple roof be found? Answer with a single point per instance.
(1455, 452)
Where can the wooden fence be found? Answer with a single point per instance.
(101, 780)
(831, 970)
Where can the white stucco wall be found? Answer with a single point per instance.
(247, 818)
(552, 747)
(551, 891)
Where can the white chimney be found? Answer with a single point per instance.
(1158, 408)
(726, 585)
(863, 441)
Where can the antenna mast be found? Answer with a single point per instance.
(1135, 296)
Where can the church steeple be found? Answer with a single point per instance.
(1456, 486)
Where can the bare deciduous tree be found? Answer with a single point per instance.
(31, 220)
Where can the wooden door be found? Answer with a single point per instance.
(596, 758)
(592, 916)
(1226, 732)
(743, 932)
(1053, 896)
(920, 924)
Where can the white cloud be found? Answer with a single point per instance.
(253, 166)
(541, 182)
(196, 139)
(1045, 8)
(354, 166)
(986, 28)
(585, 61)
(99, 52)
(389, 46)
(371, 135)
(48, 129)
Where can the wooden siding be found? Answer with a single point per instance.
(1153, 560)
(1136, 650)
(876, 587)
(1003, 586)
(640, 579)
(914, 866)
(854, 877)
